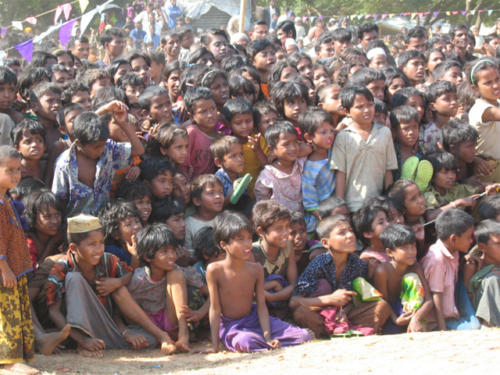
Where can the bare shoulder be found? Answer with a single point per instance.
(213, 269)
(384, 269)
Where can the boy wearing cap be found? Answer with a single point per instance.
(87, 280)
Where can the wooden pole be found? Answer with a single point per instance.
(243, 10)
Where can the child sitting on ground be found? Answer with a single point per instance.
(84, 173)
(454, 229)
(298, 241)
(369, 223)
(233, 283)
(121, 222)
(482, 279)
(44, 215)
(207, 195)
(274, 252)
(363, 156)
(318, 181)
(402, 283)
(281, 180)
(159, 288)
(80, 282)
(327, 283)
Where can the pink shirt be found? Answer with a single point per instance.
(441, 271)
(282, 187)
(200, 159)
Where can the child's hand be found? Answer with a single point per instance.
(114, 106)
(253, 142)
(482, 167)
(341, 297)
(192, 315)
(137, 341)
(492, 189)
(133, 174)
(274, 344)
(107, 285)
(132, 248)
(92, 344)
(404, 319)
(466, 202)
(9, 280)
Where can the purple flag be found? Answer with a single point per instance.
(26, 49)
(65, 32)
(4, 30)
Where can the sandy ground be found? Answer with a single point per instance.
(469, 352)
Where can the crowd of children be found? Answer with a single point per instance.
(252, 193)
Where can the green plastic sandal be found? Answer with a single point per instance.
(409, 168)
(240, 185)
(424, 174)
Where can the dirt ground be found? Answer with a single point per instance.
(466, 352)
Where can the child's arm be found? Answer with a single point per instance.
(254, 143)
(263, 187)
(461, 202)
(9, 280)
(387, 179)
(426, 308)
(491, 114)
(108, 285)
(136, 340)
(438, 303)
(214, 312)
(262, 311)
(340, 181)
(340, 297)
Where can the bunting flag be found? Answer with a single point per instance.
(4, 31)
(25, 49)
(66, 8)
(65, 32)
(83, 5)
(17, 25)
(32, 20)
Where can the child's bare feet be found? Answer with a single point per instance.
(18, 368)
(182, 347)
(90, 353)
(50, 341)
(91, 347)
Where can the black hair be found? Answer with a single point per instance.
(112, 214)
(438, 88)
(130, 79)
(149, 93)
(442, 160)
(348, 95)
(195, 94)
(455, 28)
(485, 229)
(39, 201)
(204, 244)
(157, 57)
(198, 184)
(89, 128)
(328, 205)
(207, 36)
(65, 110)
(30, 78)
(402, 114)
(198, 54)
(222, 146)
(273, 133)
(282, 91)
(27, 185)
(27, 125)
(106, 95)
(239, 85)
(209, 77)
(115, 65)
(456, 132)
(191, 77)
(277, 69)
(230, 63)
(341, 35)
(380, 106)
(7, 76)
(397, 194)
(409, 55)
(441, 69)
(396, 235)
(108, 35)
(132, 190)
(326, 226)
(42, 89)
(295, 57)
(163, 209)
(154, 166)
(402, 96)
(312, 118)
(489, 207)
(261, 108)
(234, 107)
(366, 28)
(172, 67)
(364, 218)
(152, 238)
(297, 218)
(452, 221)
(472, 70)
(137, 55)
(416, 32)
(365, 76)
(63, 52)
(287, 26)
(257, 46)
(229, 224)
(70, 90)
(40, 58)
(392, 73)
